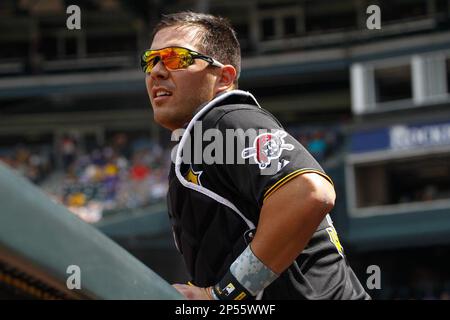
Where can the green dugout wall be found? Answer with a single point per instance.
(43, 246)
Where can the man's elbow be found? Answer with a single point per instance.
(322, 196)
(325, 201)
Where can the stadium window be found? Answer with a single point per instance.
(290, 25)
(48, 47)
(443, 8)
(412, 180)
(71, 46)
(280, 21)
(14, 49)
(393, 83)
(326, 16)
(397, 10)
(268, 28)
(374, 193)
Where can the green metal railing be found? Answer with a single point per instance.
(40, 241)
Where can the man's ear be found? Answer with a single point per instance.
(226, 78)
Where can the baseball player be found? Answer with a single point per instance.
(248, 204)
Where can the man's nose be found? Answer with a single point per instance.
(159, 71)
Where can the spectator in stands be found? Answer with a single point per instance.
(68, 148)
(317, 146)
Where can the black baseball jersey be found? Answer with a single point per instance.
(231, 158)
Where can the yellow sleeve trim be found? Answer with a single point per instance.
(291, 176)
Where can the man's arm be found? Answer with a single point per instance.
(288, 219)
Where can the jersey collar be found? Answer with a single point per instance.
(232, 97)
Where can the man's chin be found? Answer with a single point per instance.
(166, 121)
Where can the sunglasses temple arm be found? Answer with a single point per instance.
(217, 63)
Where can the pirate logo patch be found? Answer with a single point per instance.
(266, 147)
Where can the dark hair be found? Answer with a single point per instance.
(216, 39)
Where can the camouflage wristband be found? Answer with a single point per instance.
(251, 272)
(247, 277)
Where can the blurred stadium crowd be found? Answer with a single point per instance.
(122, 174)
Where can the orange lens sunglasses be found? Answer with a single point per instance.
(173, 58)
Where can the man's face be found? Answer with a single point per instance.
(188, 88)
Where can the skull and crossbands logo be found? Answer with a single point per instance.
(266, 147)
